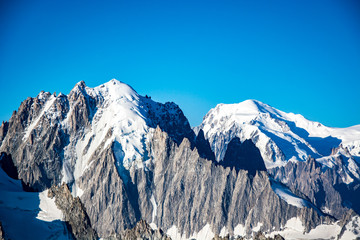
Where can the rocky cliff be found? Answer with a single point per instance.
(75, 214)
(180, 189)
(321, 186)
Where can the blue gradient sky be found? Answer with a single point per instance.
(297, 56)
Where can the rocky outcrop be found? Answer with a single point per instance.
(7, 164)
(74, 212)
(321, 186)
(227, 237)
(2, 234)
(35, 140)
(3, 130)
(83, 107)
(170, 118)
(142, 230)
(261, 236)
(257, 236)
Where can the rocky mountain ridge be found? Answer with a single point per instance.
(128, 158)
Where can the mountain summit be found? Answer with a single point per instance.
(101, 161)
(280, 136)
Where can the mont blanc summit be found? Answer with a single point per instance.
(280, 136)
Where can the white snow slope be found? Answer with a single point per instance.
(29, 215)
(280, 136)
(293, 230)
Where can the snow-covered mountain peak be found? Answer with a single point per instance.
(43, 95)
(117, 90)
(254, 105)
(119, 118)
(119, 121)
(80, 86)
(245, 108)
(246, 111)
(111, 90)
(280, 136)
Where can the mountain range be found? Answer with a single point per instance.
(108, 163)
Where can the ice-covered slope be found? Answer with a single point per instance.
(29, 215)
(280, 136)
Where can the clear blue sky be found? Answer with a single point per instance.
(297, 56)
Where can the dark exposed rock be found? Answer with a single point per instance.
(203, 146)
(217, 237)
(261, 236)
(171, 119)
(83, 107)
(257, 236)
(8, 166)
(74, 211)
(2, 234)
(278, 237)
(142, 231)
(244, 156)
(3, 131)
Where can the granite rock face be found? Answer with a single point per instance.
(229, 197)
(35, 141)
(112, 202)
(179, 188)
(74, 212)
(322, 187)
